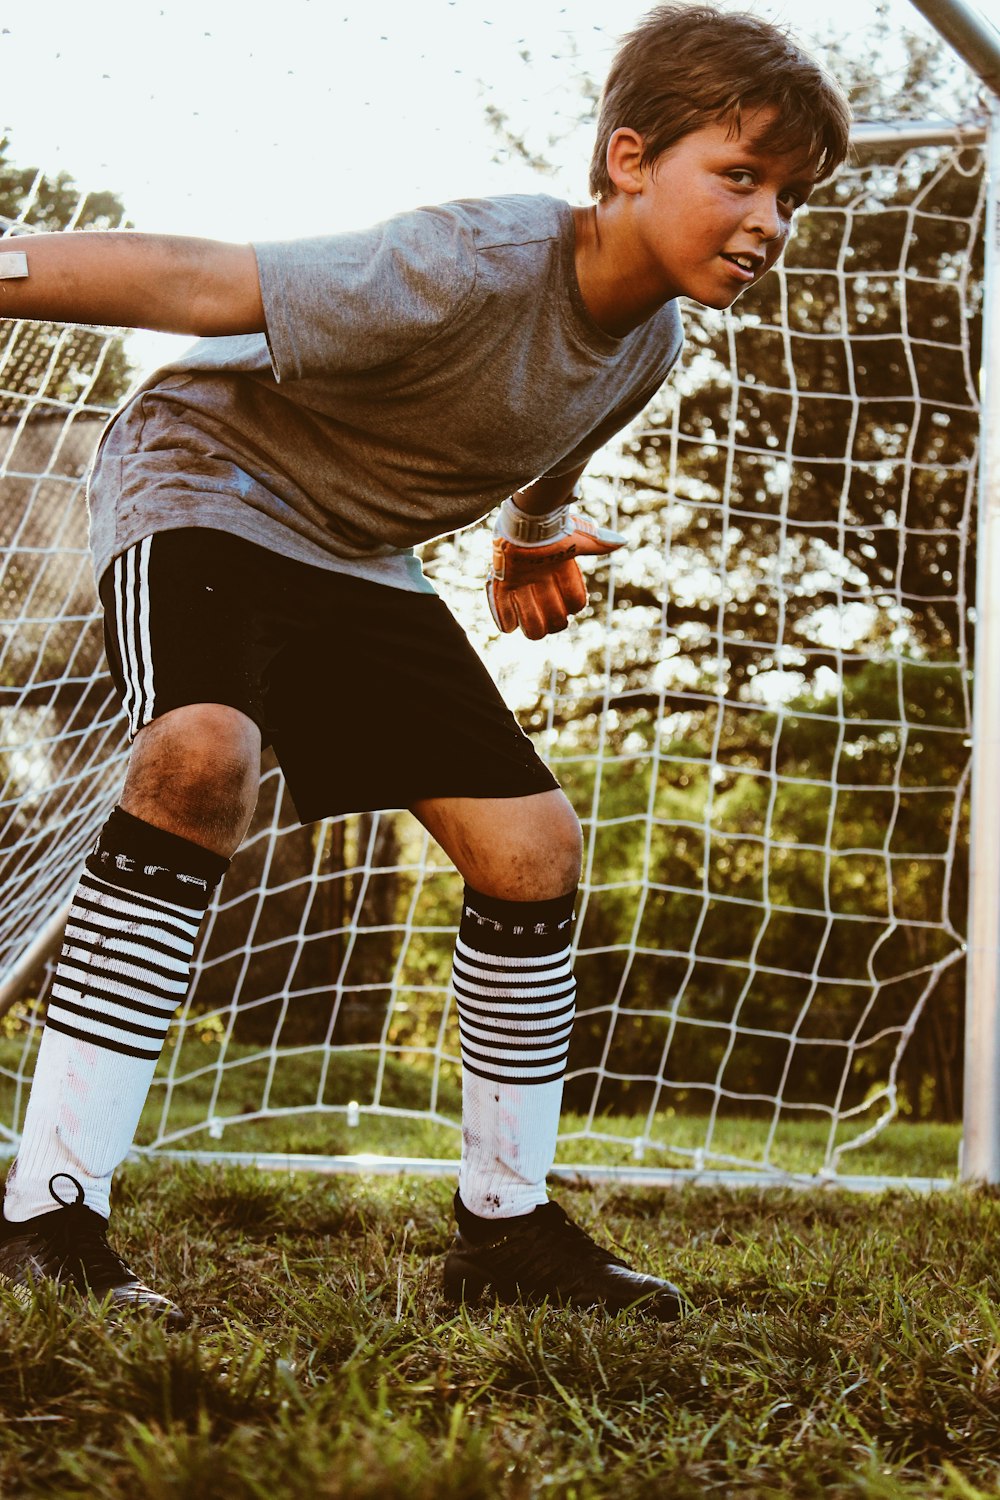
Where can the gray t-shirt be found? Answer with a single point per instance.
(412, 376)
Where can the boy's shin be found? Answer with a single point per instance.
(124, 969)
(516, 1000)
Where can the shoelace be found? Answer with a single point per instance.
(578, 1238)
(78, 1237)
(561, 1246)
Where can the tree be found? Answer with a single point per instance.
(46, 362)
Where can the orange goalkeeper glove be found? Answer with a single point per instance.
(535, 580)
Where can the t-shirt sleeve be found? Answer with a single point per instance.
(350, 302)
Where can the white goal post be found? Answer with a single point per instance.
(764, 721)
(981, 1142)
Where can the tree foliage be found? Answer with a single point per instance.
(53, 364)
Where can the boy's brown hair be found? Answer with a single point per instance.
(687, 66)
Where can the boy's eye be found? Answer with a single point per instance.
(789, 199)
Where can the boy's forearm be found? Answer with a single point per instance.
(547, 494)
(121, 279)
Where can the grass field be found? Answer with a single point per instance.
(843, 1346)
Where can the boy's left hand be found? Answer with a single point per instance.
(535, 581)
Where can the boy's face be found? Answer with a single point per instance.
(715, 212)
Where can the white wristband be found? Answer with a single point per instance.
(531, 531)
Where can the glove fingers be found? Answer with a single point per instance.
(540, 610)
(531, 626)
(597, 546)
(572, 588)
(501, 603)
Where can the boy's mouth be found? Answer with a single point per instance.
(744, 261)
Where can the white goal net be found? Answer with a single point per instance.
(763, 721)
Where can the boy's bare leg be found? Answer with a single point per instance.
(514, 848)
(195, 773)
(189, 794)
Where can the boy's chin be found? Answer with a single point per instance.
(722, 300)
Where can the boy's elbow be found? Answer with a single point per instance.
(225, 297)
(223, 316)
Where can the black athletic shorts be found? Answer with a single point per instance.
(372, 697)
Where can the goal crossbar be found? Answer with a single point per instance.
(976, 41)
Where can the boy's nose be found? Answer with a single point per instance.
(764, 218)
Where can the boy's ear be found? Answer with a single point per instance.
(624, 160)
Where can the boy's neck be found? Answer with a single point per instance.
(612, 292)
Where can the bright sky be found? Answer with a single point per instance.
(253, 120)
(301, 116)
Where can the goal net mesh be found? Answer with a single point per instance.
(763, 721)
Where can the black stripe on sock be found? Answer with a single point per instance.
(100, 1041)
(478, 1017)
(127, 1002)
(493, 963)
(100, 983)
(114, 1023)
(536, 1044)
(114, 959)
(505, 1078)
(160, 909)
(479, 1002)
(137, 909)
(495, 983)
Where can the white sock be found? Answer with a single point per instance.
(124, 970)
(516, 997)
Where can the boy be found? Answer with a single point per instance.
(253, 511)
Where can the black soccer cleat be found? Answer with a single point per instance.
(70, 1246)
(545, 1255)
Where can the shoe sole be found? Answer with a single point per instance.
(461, 1284)
(115, 1310)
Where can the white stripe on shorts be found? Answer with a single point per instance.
(132, 607)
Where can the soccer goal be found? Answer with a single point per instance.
(764, 721)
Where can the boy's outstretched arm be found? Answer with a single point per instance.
(535, 582)
(121, 279)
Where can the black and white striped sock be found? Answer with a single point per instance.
(124, 970)
(516, 996)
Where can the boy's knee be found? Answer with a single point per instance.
(566, 848)
(195, 772)
(512, 848)
(543, 858)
